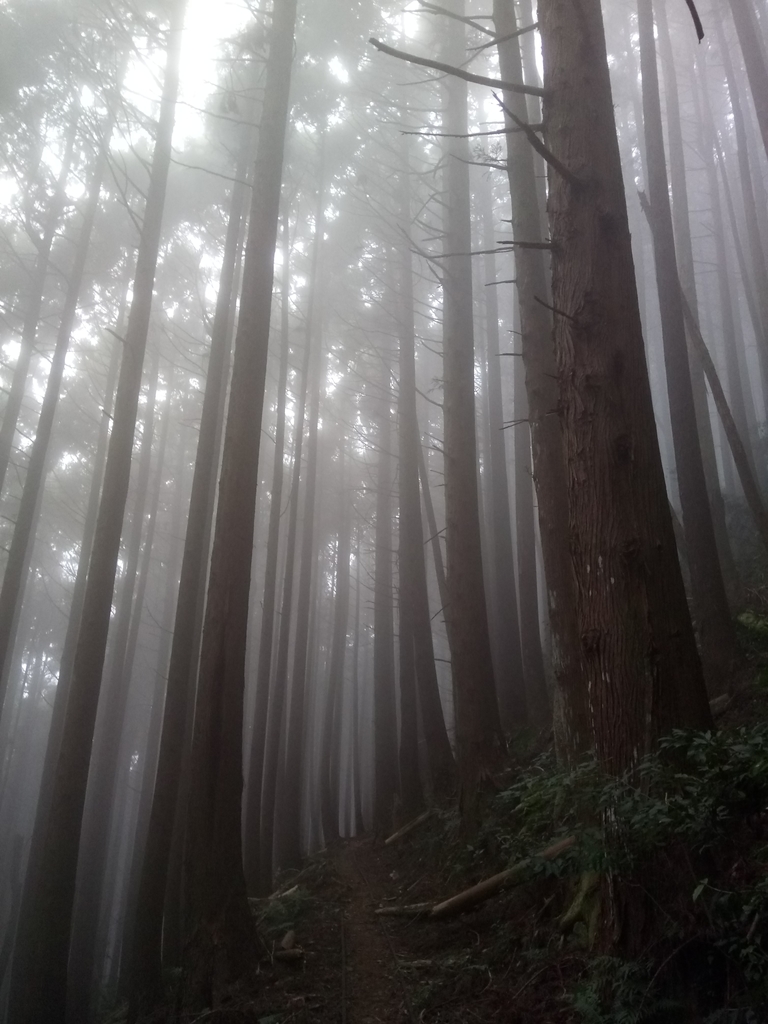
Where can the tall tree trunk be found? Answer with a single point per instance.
(95, 831)
(252, 831)
(357, 800)
(478, 728)
(295, 745)
(219, 925)
(35, 302)
(749, 33)
(510, 666)
(329, 753)
(384, 702)
(172, 568)
(736, 387)
(39, 974)
(685, 266)
(45, 795)
(638, 647)
(756, 276)
(415, 619)
(145, 981)
(710, 603)
(572, 729)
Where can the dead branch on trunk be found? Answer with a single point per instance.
(450, 69)
(546, 154)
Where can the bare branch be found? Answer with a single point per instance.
(449, 69)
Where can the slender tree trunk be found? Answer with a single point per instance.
(638, 647)
(510, 666)
(357, 801)
(685, 265)
(96, 831)
(272, 779)
(415, 620)
(736, 389)
(478, 728)
(145, 973)
(295, 746)
(35, 305)
(572, 730)
(710, 603)
(384, 703)
(329, 753)
(434, 533)
(172, 569)
(756, 276)
(39, 975)
(219, 943)
(45, 795)
(252, 832)
(749, 33)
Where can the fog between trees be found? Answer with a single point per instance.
(382, 384)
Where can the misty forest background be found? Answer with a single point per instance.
(384, 400)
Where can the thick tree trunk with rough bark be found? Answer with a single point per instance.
(638, 646)
(572, 730)
(39, 975)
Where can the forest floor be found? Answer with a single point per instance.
(360, 968)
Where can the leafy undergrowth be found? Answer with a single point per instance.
(690, 834)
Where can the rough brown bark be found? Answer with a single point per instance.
(638, 646)
(572, 729)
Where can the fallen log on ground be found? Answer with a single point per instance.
(409, 910)
(414, 823)
(491, 886)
